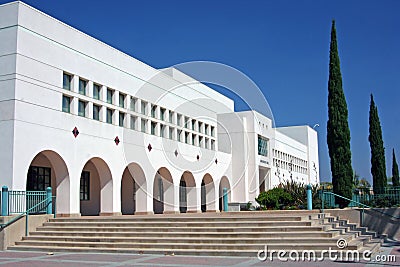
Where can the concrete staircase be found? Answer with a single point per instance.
(222, 234)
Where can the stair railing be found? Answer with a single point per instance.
(45, 204)
(355, 202)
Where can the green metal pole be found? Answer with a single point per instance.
(49, 200)
(26, 223)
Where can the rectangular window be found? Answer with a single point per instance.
(82, 108)
(171, 133)
(143, 125)
(153, 111)
(110, 94)
(162, 130)
(96, 112)
(213, 131)
(179, 119)
(201, 141)
(96, 91)
(213, 144)
(153, 128)
(133, 122)
(200, 127)
(193, 125)
(262, 146)
(67, 81)
(66, 104)
(133, 104)
(206, 129)
(194, 140)
(187, 138)
(121, 100)
(121, 119)
(206, 143)
(39, 178)
(85, 186)
(187, 121)
(109, 116)
(171, 116)
(162, 114)
(143, 107)
(82, 86)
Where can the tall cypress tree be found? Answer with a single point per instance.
(378, 164)
(395, 171)
(338, 132)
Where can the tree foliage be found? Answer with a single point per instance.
(378, 165)
(338, 132)
(395, 171)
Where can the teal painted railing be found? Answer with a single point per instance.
(41, 206)
(325, 194)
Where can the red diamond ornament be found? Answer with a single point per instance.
(116, 140)
(75, 132)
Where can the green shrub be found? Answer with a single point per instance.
(276, 198)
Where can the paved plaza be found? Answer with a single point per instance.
(43, 259)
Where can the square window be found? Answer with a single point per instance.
(110, 94)
(121, 102)
(82, 86)
(82, 108)
(96, 91)
(67, 81)
(109, 116)
(66, 104)
(96, 112)
(121, 119)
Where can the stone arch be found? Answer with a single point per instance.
(48, 168)
(224, 183)
(97, 194)
(187, 193)
(207, 193)
(163, 192)
(133, 190)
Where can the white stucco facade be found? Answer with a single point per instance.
(143, 133)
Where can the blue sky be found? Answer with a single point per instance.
(283, 46)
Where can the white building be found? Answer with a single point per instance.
(113, 135)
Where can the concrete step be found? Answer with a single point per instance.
(307, 235)
(183, 229)
(191, 239)
(179, 224)
(194, 218)
(174, 245)
(166, 251)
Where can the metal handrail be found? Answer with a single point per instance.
(4, 225)
(358, 203)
